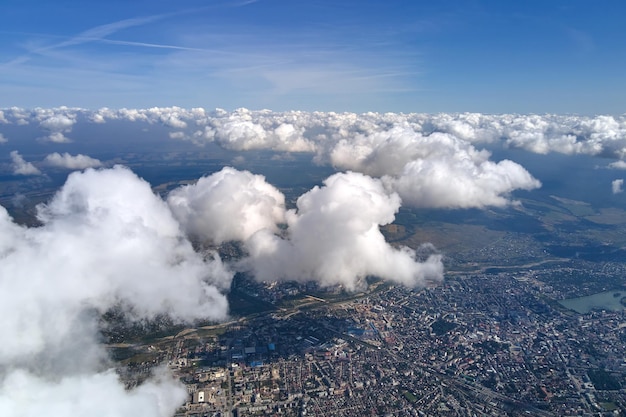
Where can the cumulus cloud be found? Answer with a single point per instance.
(618, 165)
(438, 170)
(57, 122)
(394, 146)
(3, 139)
(243, 134)
(228, 205)
(460, 183)
(296, 131)
(58, 137)
(333, 237)
(105, 241)
(617, 186)
(21, 167)
(74, 162)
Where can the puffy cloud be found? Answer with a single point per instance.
(405, 150)
(3, 139)
(105, 241)
(460, 183)
(438, 170)
(17, 115)
(57, 121)
(618, 165)
(244, 135)
(68, 161)
(617, 186)
(371, 143)
(228, 205)
(21, 167)
(58, 137)
(296, 131)
(28, 395)
(333, 237)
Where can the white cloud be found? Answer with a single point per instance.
(406, 150)
(68, 161)
(26, 394)
(21, 167)
(57, 121)
(243, 129)
(395, 146)
(244, 135)
(57, 137)
(460, 183)
(177, 135)
(3, 139)
(334, 238)
(617, 186)
(438, 170)
(105, 240)
(228, 205)
(618, 165)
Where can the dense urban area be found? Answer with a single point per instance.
(482, 343)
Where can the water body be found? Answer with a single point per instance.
(608, 300)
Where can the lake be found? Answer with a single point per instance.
(608, 300)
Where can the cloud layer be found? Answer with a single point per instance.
(414, 153)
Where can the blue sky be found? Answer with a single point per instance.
(403, 56)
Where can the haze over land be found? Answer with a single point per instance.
(380, 112)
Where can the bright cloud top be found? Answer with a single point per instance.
(438, 170)
(228, 205)
(430, 160)
(73, 162)
(57, 122)
(617, 186)
(298, 131)
(333, 237)
(21, 167)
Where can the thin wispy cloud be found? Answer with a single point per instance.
(193, 58)
(316, 56)
(94, 34)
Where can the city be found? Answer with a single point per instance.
(478, 344)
